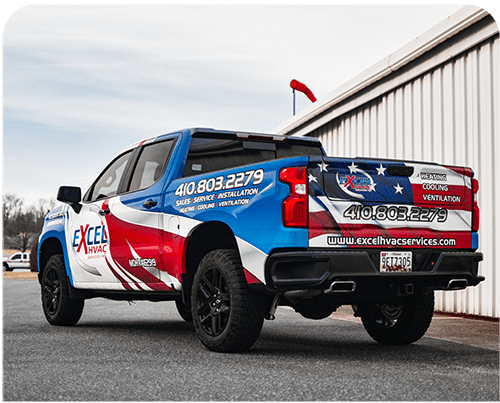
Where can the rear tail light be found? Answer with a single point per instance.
(475, 209)
(295, 208)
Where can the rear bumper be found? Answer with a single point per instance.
(319, 269)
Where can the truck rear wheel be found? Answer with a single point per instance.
(58, 307)
(400, 321)
(227, 315)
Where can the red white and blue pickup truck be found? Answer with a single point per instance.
(230, 225)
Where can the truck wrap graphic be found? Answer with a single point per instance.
(230, 225)
(388, 211)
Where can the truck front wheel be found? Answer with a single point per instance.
(400, 321)
(227, 315)
(58, 307)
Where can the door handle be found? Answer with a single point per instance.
(150, 203)
(104, 211)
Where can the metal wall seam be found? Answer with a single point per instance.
(495, 149)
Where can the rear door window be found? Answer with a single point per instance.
(150, 165)
(208, 155)
(215, 154)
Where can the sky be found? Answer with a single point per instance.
(80, 83)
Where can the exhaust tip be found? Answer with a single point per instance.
(341, 286)
(457, 284)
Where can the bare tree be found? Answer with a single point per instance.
(20, 234)
(22, 226)
(40, 210)
(12, 206)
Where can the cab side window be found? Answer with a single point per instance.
(214, 154)
(107, 184)
(150, 165)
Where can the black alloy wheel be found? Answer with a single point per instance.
(227, 315)
(58, 307)
(214, 303)
(51, 292)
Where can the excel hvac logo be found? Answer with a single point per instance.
(90, 239)
(357, 181)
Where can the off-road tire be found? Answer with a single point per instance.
(227, 315)
(409, 326)
(58, 307)
(184, 310)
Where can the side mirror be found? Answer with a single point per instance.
(71, 195)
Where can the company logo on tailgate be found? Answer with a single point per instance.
(357, 181)
(359, 184)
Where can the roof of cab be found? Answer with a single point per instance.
(239, 134)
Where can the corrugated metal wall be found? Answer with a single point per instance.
(448, 115)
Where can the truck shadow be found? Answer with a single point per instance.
(160, 328)
(342, 342)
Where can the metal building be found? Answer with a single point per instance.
(436, 99)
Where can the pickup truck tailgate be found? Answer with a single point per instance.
(389, 204)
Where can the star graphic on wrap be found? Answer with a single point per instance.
(323, 167)
(353, 168)
(381, 170)
(312, 178)
(398, 188)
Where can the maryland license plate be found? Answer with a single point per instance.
(395, 261)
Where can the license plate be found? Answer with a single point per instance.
(395, 261)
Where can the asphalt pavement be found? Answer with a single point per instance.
(146, 352)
